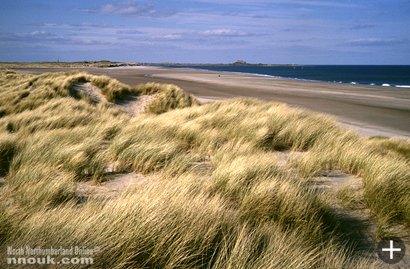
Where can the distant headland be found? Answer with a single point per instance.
(236, 63)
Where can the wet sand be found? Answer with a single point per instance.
(371, 110)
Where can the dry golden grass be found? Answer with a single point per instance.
(221, 199)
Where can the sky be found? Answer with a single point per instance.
(207, 31)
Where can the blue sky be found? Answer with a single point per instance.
(207, 31)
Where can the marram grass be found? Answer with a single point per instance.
(215, 194)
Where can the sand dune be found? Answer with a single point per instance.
(372, 110)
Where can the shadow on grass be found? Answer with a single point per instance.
(351, 231)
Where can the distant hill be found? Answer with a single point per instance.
(103, 63)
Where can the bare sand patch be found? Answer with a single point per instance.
(135, 105)
(131, 104)
(113, 185)
(284, 157)
(335, 179)
(91, 91)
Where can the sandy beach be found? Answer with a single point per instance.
(371, 110)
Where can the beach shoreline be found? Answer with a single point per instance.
(313, 75)
(370, 110)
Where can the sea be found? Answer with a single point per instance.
(377, 75)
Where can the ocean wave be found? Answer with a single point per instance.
(386, 85)
(279, 77)
(403, 86)
(261, 75)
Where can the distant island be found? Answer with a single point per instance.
(236, 63)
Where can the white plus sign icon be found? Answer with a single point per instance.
(391, 249)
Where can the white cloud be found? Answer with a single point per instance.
(125, 9)
(375, 41)
(130, 8)
(317, 3)
(222, 32)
